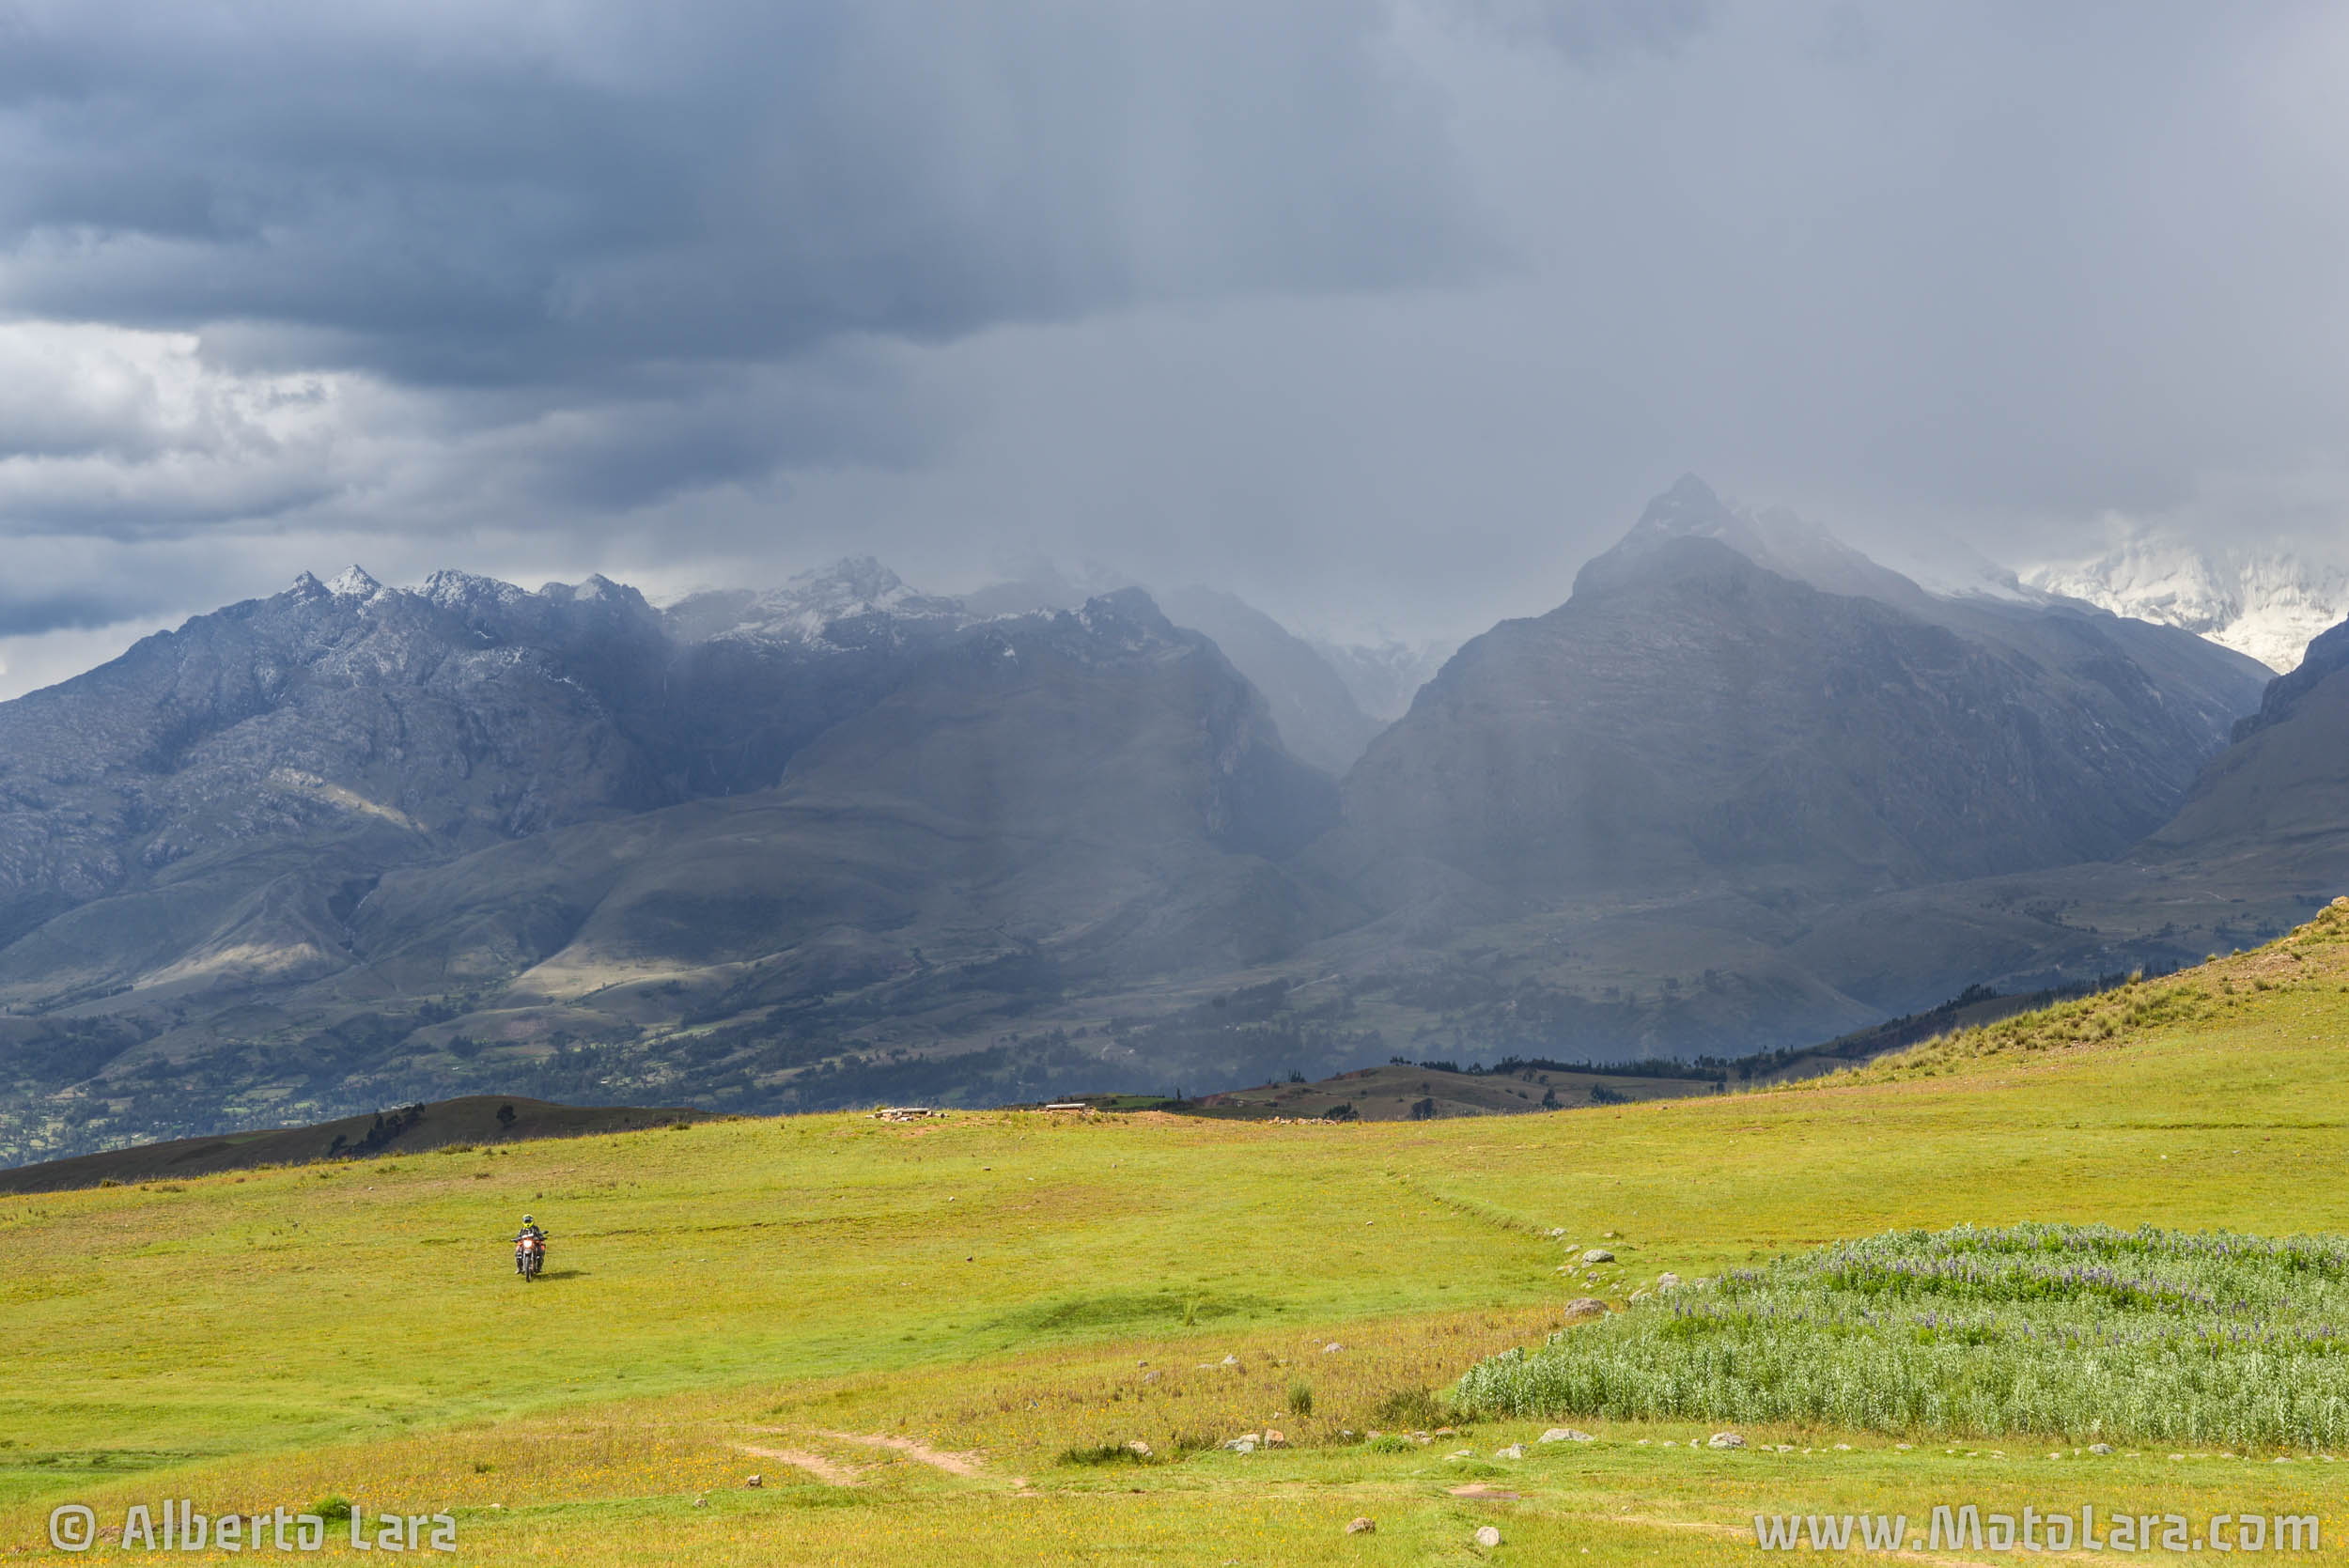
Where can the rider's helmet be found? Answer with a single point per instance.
(527, 1220)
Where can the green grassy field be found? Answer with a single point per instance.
(904, 1330)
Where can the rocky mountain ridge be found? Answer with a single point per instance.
(842, 839)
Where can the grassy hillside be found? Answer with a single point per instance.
(932, 1340)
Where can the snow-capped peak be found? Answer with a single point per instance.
(456, 589)
(354, 583)
(2268, 604)
(804, 607)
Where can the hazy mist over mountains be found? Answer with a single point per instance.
(922, 552)
(839, 838)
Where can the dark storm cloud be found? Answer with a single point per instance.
(24, 614)
(466, 194)
(1376, 310)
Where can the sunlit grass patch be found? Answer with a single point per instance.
(2070, 1332)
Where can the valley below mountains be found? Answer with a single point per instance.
(844, 842)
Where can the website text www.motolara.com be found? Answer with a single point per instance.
(2082, 1529)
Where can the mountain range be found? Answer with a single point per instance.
(841, 840)
(2267, 603)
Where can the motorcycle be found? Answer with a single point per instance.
(530, 1254)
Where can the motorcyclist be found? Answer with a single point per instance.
(530, 1228)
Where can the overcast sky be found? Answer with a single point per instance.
(1381, 314)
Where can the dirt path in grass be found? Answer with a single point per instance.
(965, 1465)
(830, 1472)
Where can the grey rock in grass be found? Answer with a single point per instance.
(755, 1480)
(2100, 1448)
(1515, 1450)
(1584, 1306)
(1567, 1434)
(1362, 1527)
(1599, 1254)
(1488, 1536)
(1668, 1280)
(1725, 1440)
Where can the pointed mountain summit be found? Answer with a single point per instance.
(1733, 695)
(1773, 539)
(353, 583)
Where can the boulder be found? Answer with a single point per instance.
(2100, 1448)
(1725, 1440)
(1488, 1536)
(1584, 1306)
(1362, 1527)
(1599, 1254)
(1138, 1447)
(1567, 1434)
(1275, 1439)
(1515, 1450)
(1331, 1348)
(1668, 1280)
(755, 1480)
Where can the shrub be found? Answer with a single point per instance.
(2075, 1333)
(333, 1510)
(1388, 1442)
(1411, 1407)
(1301, 1399)
(1102, 1453)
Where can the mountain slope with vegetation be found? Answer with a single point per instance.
(938, 1339)
(841, 841)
